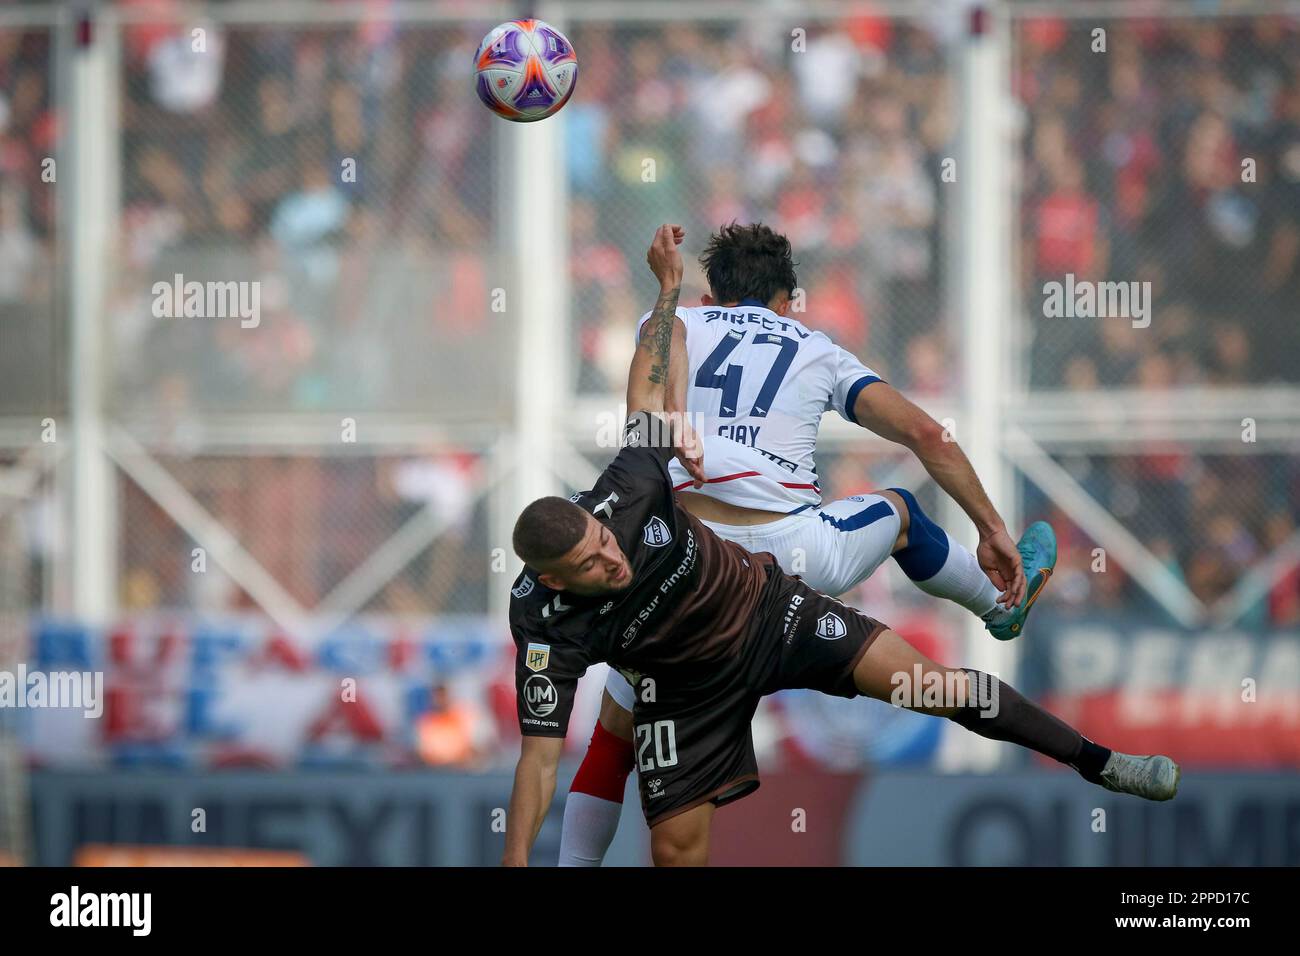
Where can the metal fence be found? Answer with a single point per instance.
(1159, 251)
(832, 126)
(1163, 153)
(33, 312)
(341, 171)
(445, 302)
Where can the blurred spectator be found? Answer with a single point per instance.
(456, 729)
(350, 172)
(186, 67)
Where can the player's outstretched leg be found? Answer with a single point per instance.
(595, 801)
(992, 708)
(940, 566)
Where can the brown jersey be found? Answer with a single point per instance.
(692, 601)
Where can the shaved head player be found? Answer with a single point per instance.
(702, 629)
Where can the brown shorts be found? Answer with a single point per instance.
(692, 737)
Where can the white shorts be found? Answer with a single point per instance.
(833, 548)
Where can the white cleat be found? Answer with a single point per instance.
(1155, 778)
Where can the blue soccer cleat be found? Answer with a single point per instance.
(1037, 547)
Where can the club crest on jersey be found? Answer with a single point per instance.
(656, 533)
(525, 588)
(831, 627)
(537, 657)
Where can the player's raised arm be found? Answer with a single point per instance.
(659, 363)
(679, 367)
(885, 411)
(648, 377)
(531, 796)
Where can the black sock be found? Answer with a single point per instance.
(1091, 760)
(998, 711)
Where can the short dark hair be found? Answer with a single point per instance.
(548, 529)
(751, 261)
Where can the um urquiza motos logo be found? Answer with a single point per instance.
(72, 690)
(179, 299)
(1084, 299)
(75, 908)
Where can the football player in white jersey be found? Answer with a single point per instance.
(759, 380)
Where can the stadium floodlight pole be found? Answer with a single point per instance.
(90, 222)
(533, 210)
(983, 250)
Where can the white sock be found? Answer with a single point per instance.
(589, 827)
(962, 581)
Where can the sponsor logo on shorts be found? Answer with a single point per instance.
(656, 533)
(525, 588)
(831, 627)
(656, 787)
(538, 657)
(539, 695)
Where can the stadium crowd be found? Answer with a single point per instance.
(375, 287)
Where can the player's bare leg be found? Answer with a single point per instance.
(683, 840)
(595, 801)
(992, 708)
(615, 719)
(890, 655)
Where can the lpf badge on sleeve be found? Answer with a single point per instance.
(538, 656)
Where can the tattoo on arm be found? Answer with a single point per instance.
(657, 336)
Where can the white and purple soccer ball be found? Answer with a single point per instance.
(525, 70)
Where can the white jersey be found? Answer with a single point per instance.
(763, 381)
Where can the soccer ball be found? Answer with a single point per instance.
(525, 70)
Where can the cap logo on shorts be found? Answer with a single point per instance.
(831, 627)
